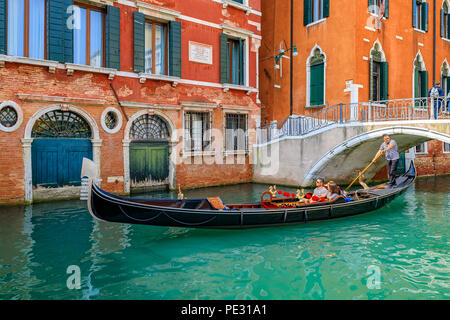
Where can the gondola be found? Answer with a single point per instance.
(212, 213)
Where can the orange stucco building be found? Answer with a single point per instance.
(354, 47)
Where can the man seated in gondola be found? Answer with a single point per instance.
(320, 192)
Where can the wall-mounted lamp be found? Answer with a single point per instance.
(282, 52)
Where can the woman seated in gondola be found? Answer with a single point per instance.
(333, 190)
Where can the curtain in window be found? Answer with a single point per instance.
(197, 134)
(160, 46)
(37, 29)
(96, 39)
(79, 37)
(15, 27)
(148, 48)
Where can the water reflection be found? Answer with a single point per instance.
(407, 240)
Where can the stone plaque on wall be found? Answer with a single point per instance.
(199, 52)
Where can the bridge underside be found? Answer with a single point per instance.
(338, 153)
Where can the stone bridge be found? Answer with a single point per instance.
(338, 150)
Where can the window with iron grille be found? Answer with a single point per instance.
(197, 135)
(236, 135)
(8, 117)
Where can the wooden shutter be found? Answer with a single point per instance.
(416, 83)
(175, 48)
(307, 13)
(59, 36)
(386, 8)
(112, 36)
(414, 13)
(139, 42)
(317, 85)
(241, 62)
(224, 68)
(326, 8)
(448, 85)
(3, 26)
(425, 16)
(424, 83)
(448, 26)
(384, 92)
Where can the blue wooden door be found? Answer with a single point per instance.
(57, 162)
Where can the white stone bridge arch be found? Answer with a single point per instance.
(339, 151)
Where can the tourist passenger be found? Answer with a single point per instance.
(319, 192)
(389, 147)
(333, 191)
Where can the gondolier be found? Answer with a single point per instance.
(389, 147)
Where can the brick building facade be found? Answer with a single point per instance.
(185, 73)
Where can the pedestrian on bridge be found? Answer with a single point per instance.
(437, 94)
(389, 147)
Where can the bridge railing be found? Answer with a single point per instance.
(386, 110)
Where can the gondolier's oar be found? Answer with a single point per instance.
(371, 163)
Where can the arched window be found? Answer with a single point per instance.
(149, 127)
(420, 77)
(379, 75)
(445, 21)
(445, 76)
(316, 78)
(61, 124)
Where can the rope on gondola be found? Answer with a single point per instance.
(190, 224)
(136, 219)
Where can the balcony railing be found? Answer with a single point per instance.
(387, 110)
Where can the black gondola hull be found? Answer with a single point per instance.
(108, 207)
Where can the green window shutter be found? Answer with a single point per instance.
(442, 24)
(448, 26)
(448, 85)
(224, 68)
(139, 42)
(384, 94)
(326, 8)
(175, 48)
(317, 85)
(112, 37)
(3, 27)
(414, 14)
(424, 83)
(416, 83)
(307, 13)
(386, 8)
(425, 16)
(59, 36)
(241, 62)
(371, 79)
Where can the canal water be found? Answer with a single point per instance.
(398, 252)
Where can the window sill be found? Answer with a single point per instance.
(420, 30)
(186, 154)
(71, 67)
(315, 106)
(144, 76)
(240, 6)
(316, 22)
(37, 62)
(228, 86)
(236, 153)
(445, 39)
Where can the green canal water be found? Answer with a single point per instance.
(398, 252)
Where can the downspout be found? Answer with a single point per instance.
(434, 42)
(292, 61)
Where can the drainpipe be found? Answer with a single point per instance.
(292, 61)
(434, 42)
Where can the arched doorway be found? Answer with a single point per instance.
(149, 153)
(60, 141)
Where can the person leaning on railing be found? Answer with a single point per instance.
(437, 94)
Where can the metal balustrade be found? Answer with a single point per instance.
(377, 111)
